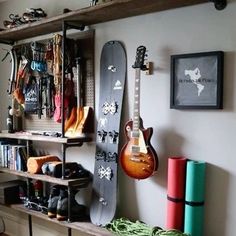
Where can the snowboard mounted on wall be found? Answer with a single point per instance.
(112, 83)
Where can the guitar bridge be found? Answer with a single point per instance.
(134, 159)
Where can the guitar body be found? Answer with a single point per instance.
(141, 162)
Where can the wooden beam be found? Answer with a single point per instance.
(116, 9)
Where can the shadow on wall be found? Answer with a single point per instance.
(128, 195)
(229, 81)
(126, 185)
(163, 65)
(217, 188)
(171, 145)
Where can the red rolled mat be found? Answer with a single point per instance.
(175, 192)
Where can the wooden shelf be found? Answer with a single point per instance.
(112, 10)
(43, 138)
(82, 182)
(85, 227)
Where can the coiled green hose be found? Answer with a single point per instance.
(125, 227)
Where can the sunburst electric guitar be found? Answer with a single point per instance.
(138, 158)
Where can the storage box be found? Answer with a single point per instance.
(9, 191)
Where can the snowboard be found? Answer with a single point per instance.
(112, 82)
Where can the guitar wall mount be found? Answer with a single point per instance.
(149, 68)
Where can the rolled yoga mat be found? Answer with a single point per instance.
(194, 198)
(176, 192)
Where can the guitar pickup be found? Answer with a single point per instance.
(135, 149)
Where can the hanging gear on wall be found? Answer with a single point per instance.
(32, 96)
(31, 15)
(38, 63)
(57, 64)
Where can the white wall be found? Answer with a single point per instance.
(199, 135)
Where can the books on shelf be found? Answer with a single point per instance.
(13, 156)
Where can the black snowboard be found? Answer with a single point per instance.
(112, 82)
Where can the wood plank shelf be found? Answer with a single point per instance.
(43, 138)
(86, 227)
(112, 10)
(81, 182)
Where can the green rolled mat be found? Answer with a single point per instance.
(194, 198)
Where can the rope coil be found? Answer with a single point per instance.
(125, 227)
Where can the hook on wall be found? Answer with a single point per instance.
(219, 4)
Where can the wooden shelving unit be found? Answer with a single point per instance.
(112, 10)
(43, 138)
(85, 227)
(82, 182)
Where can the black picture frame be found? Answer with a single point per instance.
(197, 80)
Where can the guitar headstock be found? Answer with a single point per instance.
(139, 59)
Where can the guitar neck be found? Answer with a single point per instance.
(136, 112)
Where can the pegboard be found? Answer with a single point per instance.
(85, 42)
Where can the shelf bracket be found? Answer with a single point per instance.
(219, 4)
(30, 225)
(74, 25)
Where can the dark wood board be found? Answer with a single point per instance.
(112, 10)
(85, 227)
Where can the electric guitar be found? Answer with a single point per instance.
(138, 158)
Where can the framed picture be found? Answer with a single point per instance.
(197, 81)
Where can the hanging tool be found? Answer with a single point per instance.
(75, 115)
(79, 116)
(13, 60)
